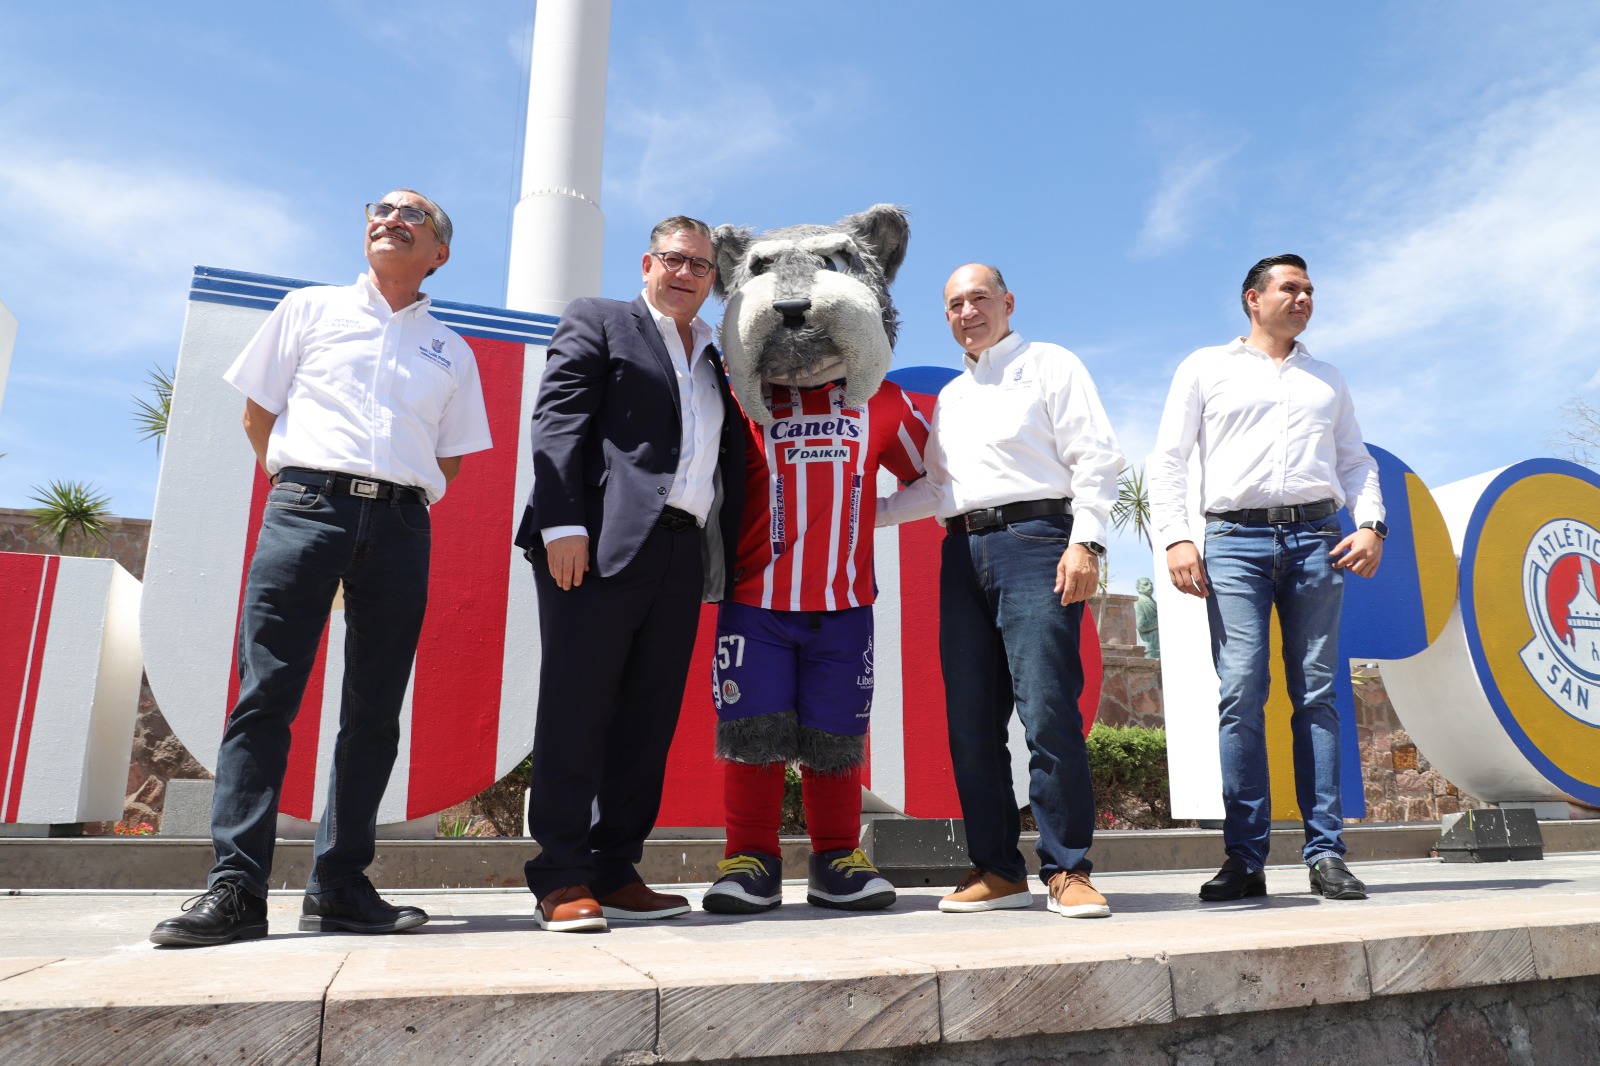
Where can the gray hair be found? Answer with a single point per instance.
(668, 226)
(999, 281)
(441, 221)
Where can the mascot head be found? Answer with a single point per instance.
(810, 304)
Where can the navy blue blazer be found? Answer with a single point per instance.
(606, 431)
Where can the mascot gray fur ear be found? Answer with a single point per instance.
(884, 228)
(728, 245)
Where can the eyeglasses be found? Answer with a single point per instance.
(674, 263)
(411, 216)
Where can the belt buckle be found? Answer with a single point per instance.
(1277, 516)
(369, 489)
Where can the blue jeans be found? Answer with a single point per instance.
(310, 541)
(1004, 641)
(1251, 569)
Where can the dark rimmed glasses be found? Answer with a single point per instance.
(411, 216)
(674, 263)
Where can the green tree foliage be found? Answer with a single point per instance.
(151, 418)
(1132, 509)
(71, 510)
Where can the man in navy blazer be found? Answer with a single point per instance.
(638, 473)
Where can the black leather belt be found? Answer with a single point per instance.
(991, 517)
(366, 488)
(676, 520)
(1276, 516)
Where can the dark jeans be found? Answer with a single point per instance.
(1253, 569)
(310, 541)
(1005, 639)
(615, 657)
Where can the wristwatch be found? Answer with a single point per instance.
(1095, 548)
(1377, 527)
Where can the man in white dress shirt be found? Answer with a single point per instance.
(1280, 454)
(1022, 469)
(359, 405)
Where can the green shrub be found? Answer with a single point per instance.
(1128, 766)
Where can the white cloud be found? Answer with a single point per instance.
(1190, 182)
(676, 147)
(1466, 284)
(101, 248)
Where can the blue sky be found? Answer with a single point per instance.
(1124, 164)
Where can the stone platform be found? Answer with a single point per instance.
(1445, 963)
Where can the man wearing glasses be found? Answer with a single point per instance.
(633, 518)
(359, 405)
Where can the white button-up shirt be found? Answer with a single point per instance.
(1023, 421)
(362, 390)
(1270, 435)
(700, 408)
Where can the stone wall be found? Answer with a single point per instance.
(126, 540)
(1401, 785)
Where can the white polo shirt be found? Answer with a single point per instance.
(359, 389)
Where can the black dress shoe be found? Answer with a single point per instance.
(1333, 879)
(226, 911)
(1232, 882)
(355, 908)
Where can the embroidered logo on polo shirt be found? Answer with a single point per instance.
(436, 355)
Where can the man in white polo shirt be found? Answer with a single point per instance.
(1280, 453)
(359, 405)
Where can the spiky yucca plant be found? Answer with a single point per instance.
(71, 509)
(151, 418)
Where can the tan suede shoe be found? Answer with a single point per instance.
(984, 891)
(1072, 896)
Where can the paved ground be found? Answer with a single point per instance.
(85, 924)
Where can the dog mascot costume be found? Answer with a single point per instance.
(807, 337)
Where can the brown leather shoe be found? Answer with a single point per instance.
(1072, 896)
(570, 910)
(981, 890)
(638, 902)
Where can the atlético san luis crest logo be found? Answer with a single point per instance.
(1561, 590)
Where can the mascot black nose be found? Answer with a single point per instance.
(793, 311)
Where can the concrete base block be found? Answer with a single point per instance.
(917, 852)
(1547, 811)
(424, 828)
(1491, 836)
(187, 812)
